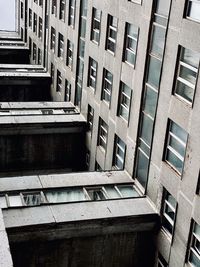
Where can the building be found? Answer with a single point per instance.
(131, 68)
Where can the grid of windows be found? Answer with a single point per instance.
(130, 45)
(194, 247)
(59, 82)
(60, 46)
(193, 10)
(70, 49)
(111, 33)
(72, 9)
(90, 117)
(67, 91)
(62, 10)
(119, 153)
(187, 74)
(92, 73)
(103, 134)
(176, 146)
(96, 24)
(124, 103)
(53, 39)
(168, 212)
(107, 86)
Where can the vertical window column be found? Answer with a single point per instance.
(81, 53)
(151, 90)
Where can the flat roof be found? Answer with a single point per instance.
(32, 182)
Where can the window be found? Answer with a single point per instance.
(35, 23)
(67, 91)
(52, 72)
(194, 246)
(130, 45)
(168, 212)
(124, 103)
(53, 39)
(96, 23)
(34, 52)
(107, 86)
(32, 199)
(41, 3)
(54, 7)
(187, 74)
(96, 194)
(119, 153)
(136, 1)
(176, 147)
(40, 28)
(193, 10)
(30, 46)
(70, 48)
(60, 46)
(59, 82)
(103, 134)
(92, 73)
(72, 7)
(161, 262)
(30, 21)
(90, 117)
(111, 33)
(62, 10)
(22, 10)
(39, 56)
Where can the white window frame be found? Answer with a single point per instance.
(172, 150)
(111, 28)
(107, 86)
(95, 31)
(103, 134)
(92, 78)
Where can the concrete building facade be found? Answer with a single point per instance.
(132, 70)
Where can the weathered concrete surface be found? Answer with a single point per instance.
(34, 182)
(5, 255)
(104, 233)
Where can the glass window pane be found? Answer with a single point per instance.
(128, 191)
(112, 192)
(142, 168)
(190, 57)
(150, 102)
(184, 91)
(65, 196)
(158, 41)
(174, 160)
(194, 10)
(15, 201)
(154, 72)
(147, 128)
(175, 144)
(32, 199)
(163, 7)
(179, 132)
(96, 194)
